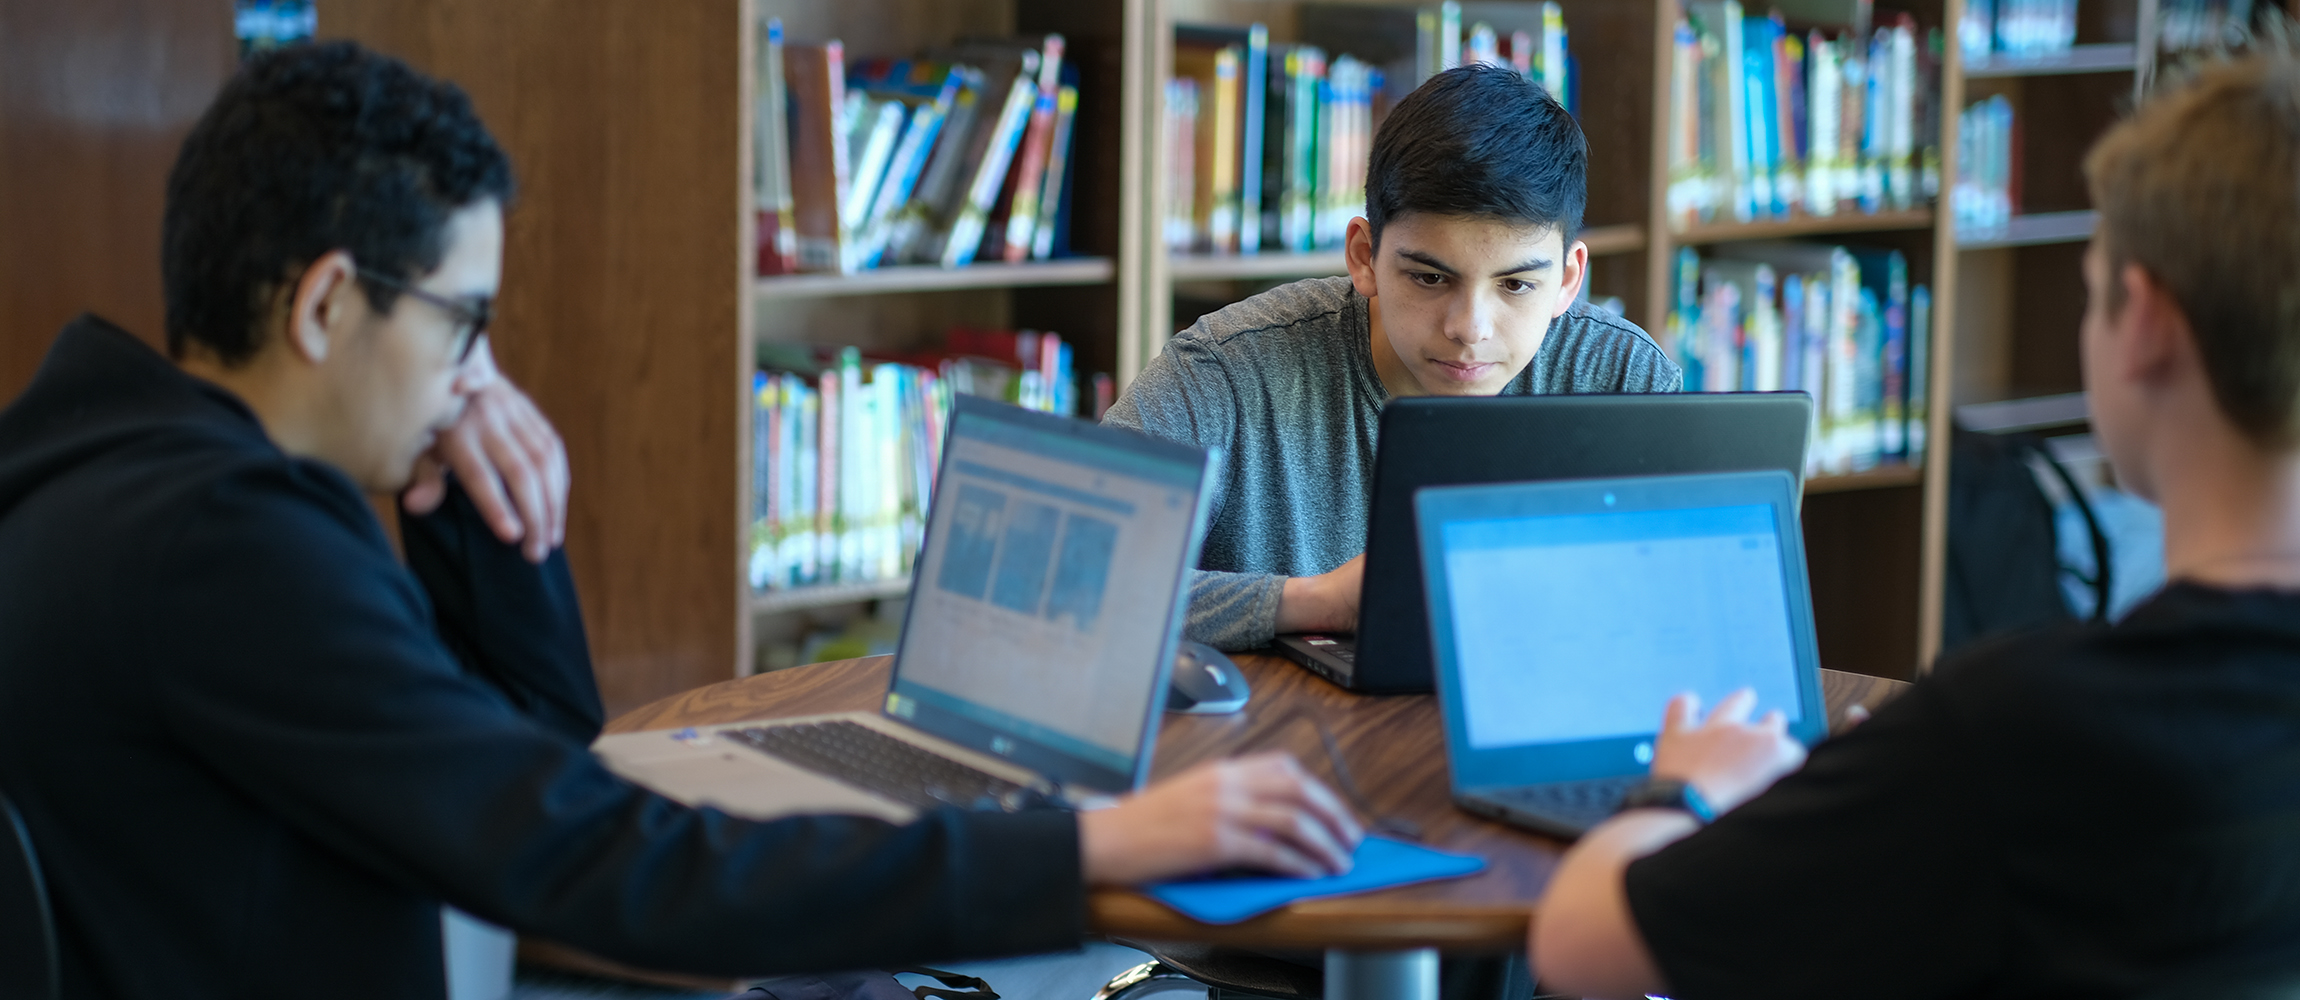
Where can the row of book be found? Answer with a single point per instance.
(1767, 122)
(1840, 323)
(959, 155)
(2204, 24)
(844, 449)
(2016, 27)
(1987, 192)
(1266, 144)
(264, 24)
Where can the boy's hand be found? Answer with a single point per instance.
(1261, 812)
(508, 458)
(1726, 757)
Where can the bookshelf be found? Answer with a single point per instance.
(630, 262)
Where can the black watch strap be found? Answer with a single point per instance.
(1668, 793)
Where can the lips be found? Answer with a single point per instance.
(1463, 371)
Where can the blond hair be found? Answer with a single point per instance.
(2201, 188)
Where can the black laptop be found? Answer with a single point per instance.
(1449, 441)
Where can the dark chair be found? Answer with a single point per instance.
(27, 927)
(1224, 974)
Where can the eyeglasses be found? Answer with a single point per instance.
(473, 319)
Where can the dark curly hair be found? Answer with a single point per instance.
(1484, 142)
(308, 150)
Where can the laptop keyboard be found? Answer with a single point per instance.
(1597, 797)
(874, 761)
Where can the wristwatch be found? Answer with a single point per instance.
(1667, 793)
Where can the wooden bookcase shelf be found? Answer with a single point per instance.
(2119, 57)
(1881, 477)
(1802, 226)
(767, 602)
(920, 278)
(2032, 230)
(1250, 267)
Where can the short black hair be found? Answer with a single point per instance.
(1479, 141)
(309, 149)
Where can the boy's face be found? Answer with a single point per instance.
(1461, 304)
(400, 377)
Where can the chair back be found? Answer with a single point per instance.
(27, 926)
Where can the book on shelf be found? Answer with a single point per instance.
(1842, 324)
(1266, 144)
(2187, 25)
(2017, 27)
(845, 448)
(944, 159)
(816, 75)
(1987, 192)
(777, 249)
(1769, 122)
(1011, 75)
(1009, 235)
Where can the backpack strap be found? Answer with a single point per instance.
(2103, 574)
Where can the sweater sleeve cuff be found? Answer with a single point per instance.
(1234, 610)
(1023, 888)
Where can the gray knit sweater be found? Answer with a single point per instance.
(1284, 384)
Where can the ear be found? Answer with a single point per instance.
(2156, 338)
(1358, 254)
(321, 305)
(1573, 270)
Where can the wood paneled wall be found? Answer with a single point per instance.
(622, 291)
(95, 96)
(623, 272)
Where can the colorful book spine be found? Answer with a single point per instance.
(1842, 325)
(1765, 123)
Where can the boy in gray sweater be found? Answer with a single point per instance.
(1463, 277)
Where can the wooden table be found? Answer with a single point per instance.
(1395, 749)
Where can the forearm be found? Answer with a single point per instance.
(514, 624)
(1585, 942)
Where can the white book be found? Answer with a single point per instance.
(1824, 98)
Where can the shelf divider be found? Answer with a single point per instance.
(2031, 230)
(928, 278)
(824, 595)
(1800, 224)
(2116, 57)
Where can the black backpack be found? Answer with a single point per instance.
(2003, 561)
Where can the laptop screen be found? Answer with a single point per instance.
(1568, 614)
(1049, 591)
(1602, 618)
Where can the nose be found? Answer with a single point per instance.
(1469, 318)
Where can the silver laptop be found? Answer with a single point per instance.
(1565, 615)
(1045, 610)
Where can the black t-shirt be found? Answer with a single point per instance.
(2084, 812)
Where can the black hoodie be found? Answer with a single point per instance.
(256, 752)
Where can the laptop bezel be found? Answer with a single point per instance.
(1473, 769)
(1053, 762)
(1446, 441)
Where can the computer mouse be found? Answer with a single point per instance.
(1205, 682)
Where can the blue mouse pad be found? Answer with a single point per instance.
(1380, 863)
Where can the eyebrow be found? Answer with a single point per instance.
(1528, 264)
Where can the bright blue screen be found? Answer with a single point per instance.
(1582, 626)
